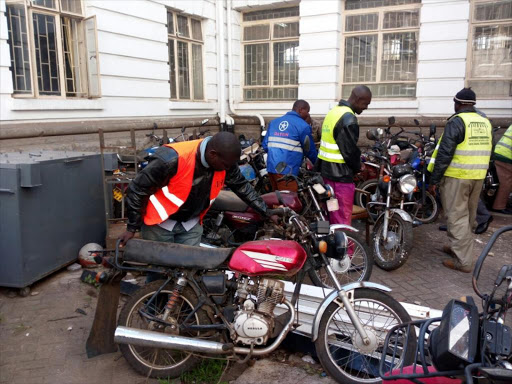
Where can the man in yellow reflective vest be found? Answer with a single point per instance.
(339, 158)
(459, 165)
(503, 162)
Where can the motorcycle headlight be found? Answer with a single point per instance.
(407, 183)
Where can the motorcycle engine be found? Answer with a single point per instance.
(255, 321)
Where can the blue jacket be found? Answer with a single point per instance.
(284, 142)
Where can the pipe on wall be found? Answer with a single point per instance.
(230, 71)
(221, 62)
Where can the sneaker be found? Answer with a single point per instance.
(453, 264)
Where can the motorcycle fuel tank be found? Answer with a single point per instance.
(268, 257)
(290, 200)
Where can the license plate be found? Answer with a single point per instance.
(117, 194)
(332, 205)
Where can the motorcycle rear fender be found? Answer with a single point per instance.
(343, 227)
(404, 215)
(334, 295)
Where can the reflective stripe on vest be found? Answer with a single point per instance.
(329, 150)
(284, 143)
(471, 158)
(170, 198)
(504, 146)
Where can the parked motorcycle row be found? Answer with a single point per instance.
(220, 300)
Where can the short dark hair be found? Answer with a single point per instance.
(299, 104)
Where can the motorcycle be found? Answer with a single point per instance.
(220, 303)
(253, 166)
(466, 345)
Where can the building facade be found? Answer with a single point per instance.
(79, 61)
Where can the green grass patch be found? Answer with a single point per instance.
(208, 371)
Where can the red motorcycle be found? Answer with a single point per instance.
(220, 302)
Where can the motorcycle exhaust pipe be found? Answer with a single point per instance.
(143, 338)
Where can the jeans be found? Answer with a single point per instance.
(178, 235)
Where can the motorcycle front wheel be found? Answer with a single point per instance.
(158, 362)
(393, 252)
(340, 348)
(429, 212)
(356, 266)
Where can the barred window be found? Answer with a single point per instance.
(270, 40)
(490, 63)
(55, 55)
(185, 57)
(381, 47)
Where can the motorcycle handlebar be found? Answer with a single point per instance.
(280, 211)
(483, 255)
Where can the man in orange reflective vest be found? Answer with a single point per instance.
(168, 199)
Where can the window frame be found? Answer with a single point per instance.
(57, 13)
(270, 41)
(469, 62)
(379, 32)
(190, 41)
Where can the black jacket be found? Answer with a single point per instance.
(454, 134)
(162, 167)
(346, 134)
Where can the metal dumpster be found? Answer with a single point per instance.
(51, 204)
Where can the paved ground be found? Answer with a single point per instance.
(42, 337)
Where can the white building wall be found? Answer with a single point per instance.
(133, 57)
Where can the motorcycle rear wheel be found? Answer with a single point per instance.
(397, 256)
(369, 186)
(430, 212)
(159, 362)
(360, 267)
(340, 348)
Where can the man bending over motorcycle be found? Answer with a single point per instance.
(168, 199)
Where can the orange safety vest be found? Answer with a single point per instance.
(170, 198)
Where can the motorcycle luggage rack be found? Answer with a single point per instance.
(420, 367)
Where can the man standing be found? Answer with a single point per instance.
(284, 142)
(168, 199)
(459, 165)
(503, 162)
(339, 157)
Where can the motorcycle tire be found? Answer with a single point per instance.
(156, 362)
(340, 349)
(358, 272)
(431, 213)
(368, 186)
(394, 261)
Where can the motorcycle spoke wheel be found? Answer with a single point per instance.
(390, 256)
(159, 362)
(427, 213)
(340, 348)
(358, 269)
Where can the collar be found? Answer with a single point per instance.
(293, 113)
(202, 150)
(344, 103)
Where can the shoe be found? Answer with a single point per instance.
(452, 264)
(443, 227)
(505, 211)
(448, 250)
(481, 228)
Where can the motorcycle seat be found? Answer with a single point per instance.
(174, 255)
(228, 201)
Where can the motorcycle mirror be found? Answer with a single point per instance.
(432, 130)
(204, 121)
(280, 167)
(183, 129)
(307, 144)
(391, 120)
(416, 122)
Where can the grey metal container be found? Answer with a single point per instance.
(51, 204)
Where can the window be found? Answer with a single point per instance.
(381, 47)
(185, 57)
(490, 64)
(48, 55)
(271, 54)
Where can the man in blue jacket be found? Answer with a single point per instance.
(284, 142)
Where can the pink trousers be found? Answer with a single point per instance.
(344, 193)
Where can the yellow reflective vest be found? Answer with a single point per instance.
(471, 158)
(329, 150)
(503, 149)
